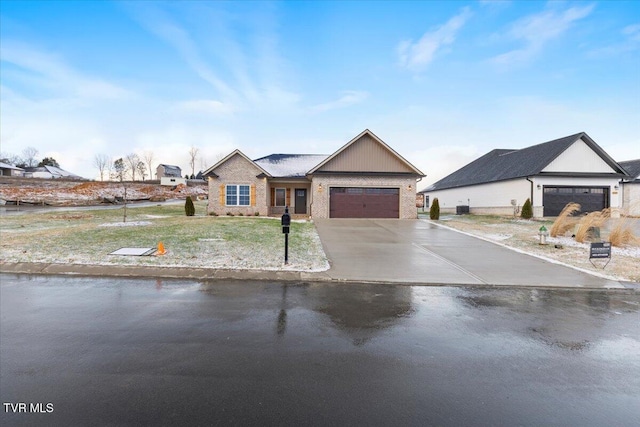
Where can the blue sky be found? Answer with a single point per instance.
(440, 82)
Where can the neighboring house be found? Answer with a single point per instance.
(10, 170)
(49, 172)
(168, 170)
(173, 180)
(631, 187)
(364, 179)
(551, 174)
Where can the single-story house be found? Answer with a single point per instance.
(363, 179)
(168, 170)
(631, 187)
(551, 174)
(10, 170)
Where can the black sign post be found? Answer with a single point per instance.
(600, 250)
(286, 224)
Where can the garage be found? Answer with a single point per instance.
(591, 199)
(363, 202)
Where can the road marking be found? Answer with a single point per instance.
(451, 263)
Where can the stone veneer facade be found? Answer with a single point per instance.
(321, 183)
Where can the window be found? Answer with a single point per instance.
(238, 195)
(281, 197)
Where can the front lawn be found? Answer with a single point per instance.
(88, 236)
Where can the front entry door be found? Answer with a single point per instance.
(301, 201)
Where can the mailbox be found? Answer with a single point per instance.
(286, 220)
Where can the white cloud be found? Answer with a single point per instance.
(633, 32)
(417, 56)
(205, 106)
(349, 97)
(42, 70)
(539, 29)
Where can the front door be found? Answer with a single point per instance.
(301, 201)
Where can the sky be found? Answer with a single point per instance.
(442, 83)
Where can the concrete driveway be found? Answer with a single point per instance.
(416, 251)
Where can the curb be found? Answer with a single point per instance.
(212, 274)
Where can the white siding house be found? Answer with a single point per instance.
(551, 174)
(630, 188)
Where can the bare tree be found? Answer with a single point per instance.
(103, 163)
(119, 172)
(132, 161)
(148, 158)
(142, 169)
(193, 154)
(29, 155)
(9, 158)
(120, 169)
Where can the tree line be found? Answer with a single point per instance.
(28, 159)
(132, 166)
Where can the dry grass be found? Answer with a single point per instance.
(589, 222)
(622, 233)
(565, 221)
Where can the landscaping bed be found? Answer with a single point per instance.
(89, 236)
(523, 235)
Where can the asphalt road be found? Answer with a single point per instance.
(90, 351)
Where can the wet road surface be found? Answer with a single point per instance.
(148, 352)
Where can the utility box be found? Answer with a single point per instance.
(462, 210)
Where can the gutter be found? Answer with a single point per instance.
(531, 199)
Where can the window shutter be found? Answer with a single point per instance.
(288, 202)
(273, 196)
(253, 195)
(222, 195)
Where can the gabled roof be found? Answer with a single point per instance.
(209, 172)
(375, 138)
(632, 167)
(55, 172)
(8, 166)
(171, 170)
(504, 164)
(289, 165)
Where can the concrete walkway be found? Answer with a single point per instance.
(402, 251)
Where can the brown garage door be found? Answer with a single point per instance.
(358, 202)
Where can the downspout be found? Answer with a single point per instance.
(531, 199)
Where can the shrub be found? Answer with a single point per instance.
(527, 210)
(189, 209)
(240, 214)
(434, 212)
(257, 214)
(212, 213)
(229, 214)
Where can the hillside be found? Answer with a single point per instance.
(59, 192)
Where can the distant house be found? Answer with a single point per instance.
(631, 187)
(364, 179)
(551, 174)
(9, 170)
(168, 171)
(49, 172)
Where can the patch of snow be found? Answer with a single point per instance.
(290, 165)
(498, 236)
(125, 224)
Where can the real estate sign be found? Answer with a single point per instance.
(600, 250)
